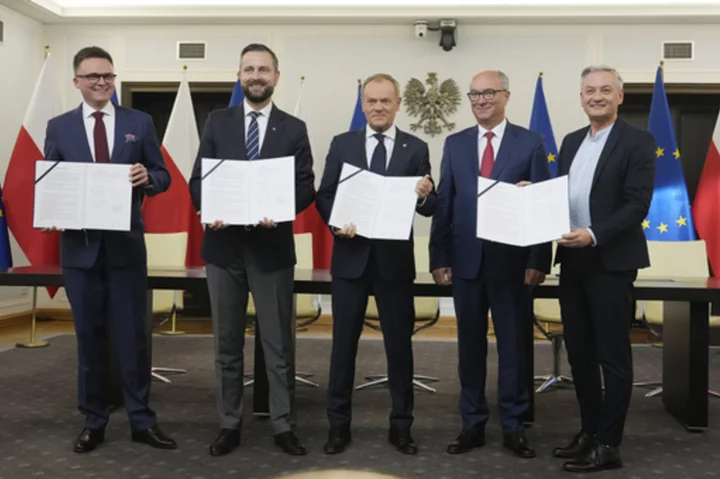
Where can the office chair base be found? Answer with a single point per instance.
(300, 378)
(383, 379)
(552, 380)
(658, 391)
(154, 372)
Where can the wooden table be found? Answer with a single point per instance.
(685, 327)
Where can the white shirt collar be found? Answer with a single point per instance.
(601, 134)
(389, 133)
(264, 112)
(499, 130)
(87, 110)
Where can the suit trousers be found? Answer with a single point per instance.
(100, 298)
(272, 293)
(396, 310)
(597, 311)
(508, 299)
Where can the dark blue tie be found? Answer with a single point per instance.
(252, 143)
(379, 157)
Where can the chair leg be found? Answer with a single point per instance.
(155, 373)
(658, 391)
(382, 379)
(302, 380)
(427, 379)
(422, 386)
(370, 384)
(556, 378)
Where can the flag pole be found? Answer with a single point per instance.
(33, 343)
(173, 313)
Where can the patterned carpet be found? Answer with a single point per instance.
(39, 422)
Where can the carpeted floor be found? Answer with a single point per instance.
(39, 421)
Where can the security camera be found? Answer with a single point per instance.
(448, 34)
(421, 28)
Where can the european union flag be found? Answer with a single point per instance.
(237, 95)
(358, 119)
(114, 99)
(669, 218)
(5, 256)
(540, 122)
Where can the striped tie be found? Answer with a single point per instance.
(252, 144)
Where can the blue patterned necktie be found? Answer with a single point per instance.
(379, 157)
(252, 143)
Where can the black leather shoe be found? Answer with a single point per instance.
(467, 440)
(289, 443)
(338, 440)
(154, 437)
(402, 440)
(225, 443)
(89, 439)
(579, 446)
(518, 444)
(599, 458)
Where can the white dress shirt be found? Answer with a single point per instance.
(262, 121)
(371, 142)
(108, 119)
(498, 133)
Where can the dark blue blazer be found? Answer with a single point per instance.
(395, 258)
(453, 234)
(66, 140)
(224, 137)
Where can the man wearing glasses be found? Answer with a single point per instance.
(105, 272)
(487, 275)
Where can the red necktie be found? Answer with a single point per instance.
(488, 158)
(102, 155)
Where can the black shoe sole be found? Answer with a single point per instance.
(608, 467)
(155, 444)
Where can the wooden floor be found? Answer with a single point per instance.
(14, 330)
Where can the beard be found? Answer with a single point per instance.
(258, 97)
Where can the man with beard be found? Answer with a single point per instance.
(258, 259)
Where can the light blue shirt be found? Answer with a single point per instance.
(580, 178)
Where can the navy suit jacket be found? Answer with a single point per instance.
(453, 235)
(66, 140)
(224, 138)
(620, 195)
(395, 258)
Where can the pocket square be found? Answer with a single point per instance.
(130, 138)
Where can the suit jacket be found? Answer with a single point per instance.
(224, 137)
(620, 196)
(453, 235)
(135, 142)
(395, 259)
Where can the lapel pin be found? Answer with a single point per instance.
(404, 145)
(273, 128)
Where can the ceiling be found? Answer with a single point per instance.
(367, 11)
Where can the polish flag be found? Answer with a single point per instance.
(41, 249)
(309, 221)
(172, 211)
(706, 206)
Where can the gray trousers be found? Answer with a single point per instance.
(273, 296)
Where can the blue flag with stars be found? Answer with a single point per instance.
(114, 99)
(5, 255)
(540, 123)
(358, 119)
(237, 95)
(669, 218)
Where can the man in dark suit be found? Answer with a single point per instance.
(105, 272)
(384, 268)
(487, 275)
(258, 259)
(611, 168)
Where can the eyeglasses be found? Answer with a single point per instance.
(487, 94)
(95, 77)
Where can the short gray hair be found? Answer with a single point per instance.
(504, 80)
(602, 68)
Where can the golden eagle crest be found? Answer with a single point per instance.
(433, 105)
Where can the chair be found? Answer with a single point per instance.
(548, 311)
(427, 313)
(670, 259)
(307, 307)
(166, 250)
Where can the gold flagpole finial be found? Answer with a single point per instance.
(302, 79)
(47, 50)
(541, 74)
(184, 68)
(359, 81)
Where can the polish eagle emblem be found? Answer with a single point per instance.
(433, 105)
